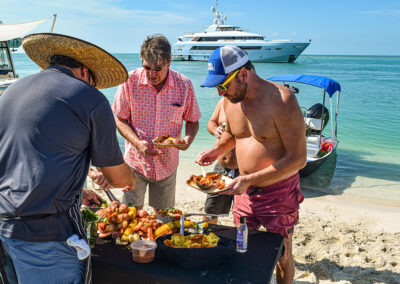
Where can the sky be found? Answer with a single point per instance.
(341, 27)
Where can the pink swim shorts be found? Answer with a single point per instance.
(276, 207)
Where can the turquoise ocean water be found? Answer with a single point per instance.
(367, 163)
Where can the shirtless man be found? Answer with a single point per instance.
(265, 124)
(226, 165)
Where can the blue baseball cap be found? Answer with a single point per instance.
(223, 61)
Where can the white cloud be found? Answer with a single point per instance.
(383, 12)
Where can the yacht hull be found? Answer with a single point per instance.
(257, 52)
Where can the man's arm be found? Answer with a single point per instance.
(127, 132)
(120, 176)
(224, 144)
(213, 124)
(191, 129)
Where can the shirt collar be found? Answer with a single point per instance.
(62, 70)
(66, 71)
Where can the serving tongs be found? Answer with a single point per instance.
(198, 224)
(109, 194)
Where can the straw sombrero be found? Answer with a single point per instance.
(107, 70)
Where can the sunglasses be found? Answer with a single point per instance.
(155, 68)
(222, 86)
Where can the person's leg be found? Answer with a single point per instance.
(137, 195)
(45, 262)
(162, 193)
(217, 204)
(11, 275)
(285, 268)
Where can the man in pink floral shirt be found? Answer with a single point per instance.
(155, 100)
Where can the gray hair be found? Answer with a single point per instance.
(154, 48)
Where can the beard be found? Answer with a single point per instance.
(239, 94)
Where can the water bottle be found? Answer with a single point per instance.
(241, 237)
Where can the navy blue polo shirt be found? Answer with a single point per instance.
(52, 125)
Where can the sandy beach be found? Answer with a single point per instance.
(337, 240)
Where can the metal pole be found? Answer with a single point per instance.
(10, 58)
(54, 21)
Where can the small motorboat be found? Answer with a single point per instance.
(319, 147)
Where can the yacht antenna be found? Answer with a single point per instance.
(54, 21)
(219, 18)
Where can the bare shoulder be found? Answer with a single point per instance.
(281, 96)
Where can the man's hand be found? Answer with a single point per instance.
(218, 131)
(144, 148)
(98, 178)
(131, 186)
(238, 186)
(188, 140)
(90, 198)
(207, 157)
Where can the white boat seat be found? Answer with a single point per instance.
(313, 123)
(313, 145)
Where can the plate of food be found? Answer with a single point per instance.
(168, 141)
(212, 183)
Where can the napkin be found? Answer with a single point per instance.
(81, 246)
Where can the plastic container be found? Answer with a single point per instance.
(143, 251)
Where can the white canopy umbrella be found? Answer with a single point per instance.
(8, 32)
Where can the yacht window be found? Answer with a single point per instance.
(268, 48)
(278, 48)
(204, 47)
(250, 47)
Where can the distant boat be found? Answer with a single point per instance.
(199, 46)
(10, 39)
(319, 147)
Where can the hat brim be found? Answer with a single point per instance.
(213, 80)
(107, 70)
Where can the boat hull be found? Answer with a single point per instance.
(313, 165)
(274, 52)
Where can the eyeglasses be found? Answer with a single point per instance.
(155, 68)
(222, 86)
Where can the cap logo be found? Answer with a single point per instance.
(211, 66)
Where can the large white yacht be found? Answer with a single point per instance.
(199, 46)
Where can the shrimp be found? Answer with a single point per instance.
(150, 234)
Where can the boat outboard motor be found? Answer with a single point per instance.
(316, 112)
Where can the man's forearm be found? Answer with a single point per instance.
(126, 131)
(211, 127)
(191, 129)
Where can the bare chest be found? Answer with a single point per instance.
(257, 123)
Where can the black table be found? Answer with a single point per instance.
(114, 264)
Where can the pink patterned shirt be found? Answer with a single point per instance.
(153, 114)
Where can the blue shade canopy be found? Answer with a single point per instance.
(329, 85)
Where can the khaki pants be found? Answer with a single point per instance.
(161, 192)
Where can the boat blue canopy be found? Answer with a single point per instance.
(329, 85)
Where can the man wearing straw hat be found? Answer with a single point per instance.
(155, 100)
(53, 124)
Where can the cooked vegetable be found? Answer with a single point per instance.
(192, 241)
